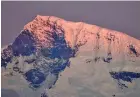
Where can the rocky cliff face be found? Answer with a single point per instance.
(71, 59)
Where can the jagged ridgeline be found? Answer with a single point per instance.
(47, 60)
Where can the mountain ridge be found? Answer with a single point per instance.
(55, 19)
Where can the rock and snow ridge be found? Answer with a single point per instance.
(48, 45)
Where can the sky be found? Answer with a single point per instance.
(123, 16)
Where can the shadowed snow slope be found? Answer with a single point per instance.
(52, 57)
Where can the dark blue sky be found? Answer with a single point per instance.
(120, 16)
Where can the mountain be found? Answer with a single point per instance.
(52, 57)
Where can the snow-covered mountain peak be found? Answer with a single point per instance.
(53, 57)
